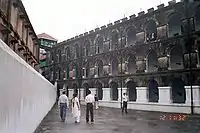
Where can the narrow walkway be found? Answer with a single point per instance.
(108, 120)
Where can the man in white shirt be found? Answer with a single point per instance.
(124, 100)
(89, 99)
(63, 104)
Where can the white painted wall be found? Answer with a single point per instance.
(25, 96)
(164, 104)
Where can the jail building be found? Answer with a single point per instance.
(150, 56)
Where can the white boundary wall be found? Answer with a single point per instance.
(25, 96)
(164, 104)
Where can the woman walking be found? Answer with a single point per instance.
(76, 108)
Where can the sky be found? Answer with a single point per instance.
(63, 19)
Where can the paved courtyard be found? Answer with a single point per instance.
(109, 120)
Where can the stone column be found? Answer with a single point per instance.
(142, 94)
(106, 94)
(82, 94)
(165, 95)
(71, 92)
(93, 91)
(124, 90)
(198, 60)
(196, 95)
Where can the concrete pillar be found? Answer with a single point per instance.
(142, 94)
(124, 90)
(71, 92)
(165, 95)
(198, 60)
(93, 91)
(82, 97)
(196, 95)
(106, 94)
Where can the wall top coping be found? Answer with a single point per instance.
(194, 87)
(141, 88)
(92, 89)
(106, 88)
(165, 87)
(122, 89)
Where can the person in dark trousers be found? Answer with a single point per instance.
(124, 100)
(89, 99)
(63, 105)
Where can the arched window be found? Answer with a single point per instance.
(132, 67)
(67, 52)
(152, 61)
(86, 48)
(99, 66)
(174, 24)
(99, 44)
(151, 31)
(114, 40)
(176, 58)
(86, 70)
(131, 36)
(58, 56)
(197, 19)
(76, 51)
(114, 67)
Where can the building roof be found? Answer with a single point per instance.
(46, 36)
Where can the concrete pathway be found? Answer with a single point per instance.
(109, 120)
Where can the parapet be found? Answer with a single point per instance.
(110, 24)
(150, 10)
(103, 27)
(92, 31)
(117, 22)
(161, 6)
(132, 16)
(141, 13)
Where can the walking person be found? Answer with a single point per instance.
(89, 99)
(63, 105)
(124, 100)
(96, 101)
(76, 108)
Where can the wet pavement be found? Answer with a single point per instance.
(109, 120)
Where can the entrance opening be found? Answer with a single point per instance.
(178, 91)
(114, 91)
(86, 88)
(132, 92)
(75, 88)
(153, 90)
(99, 90)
